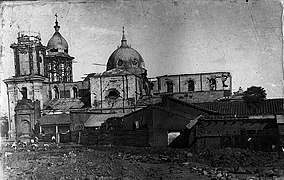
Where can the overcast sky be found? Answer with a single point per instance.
(173, 36)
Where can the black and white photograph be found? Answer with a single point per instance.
(142, 89)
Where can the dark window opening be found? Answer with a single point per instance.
(212, 84)
(53, 50)
(75, 92)
(134, 61)
(113, 94)
(170, 86)
(191, 85)
(24, 93)
(50, 95)
(119, 62)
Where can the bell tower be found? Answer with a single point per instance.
(58, 63)
(26, 86)
(28, 54)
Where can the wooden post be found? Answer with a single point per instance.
(57, 134)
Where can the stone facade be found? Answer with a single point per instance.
(44, 75)
(115, 91)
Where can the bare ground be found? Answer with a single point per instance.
(107, 162)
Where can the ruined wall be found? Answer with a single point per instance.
(201, 82)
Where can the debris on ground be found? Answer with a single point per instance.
(72, 161)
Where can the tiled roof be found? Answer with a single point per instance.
(52, 119)
(193, 105)
(269, 106)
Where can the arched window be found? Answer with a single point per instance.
(25, 127)
(212, 84)
(190, 85)
(24, 93)
(113, 94)
(74, 92)
(170, 86)
(56, 92)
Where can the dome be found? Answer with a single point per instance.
(126, 58)
(57, 43)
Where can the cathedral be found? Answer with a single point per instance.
(43, 83)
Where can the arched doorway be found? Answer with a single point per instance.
(25, 127)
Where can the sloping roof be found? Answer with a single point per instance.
(149, 100)
(97, 119)
(54, 119)
(175, 112)
(64, 104)
(269, 106)
(193, 105)
(112, 72)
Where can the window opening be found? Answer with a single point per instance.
(212, 84)
(170, 86)
(191, 85)
(113, 94)
(24, 93)
(75, 92)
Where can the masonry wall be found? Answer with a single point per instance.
(128, 87)
(201, 82)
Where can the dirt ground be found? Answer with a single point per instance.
(52, 161)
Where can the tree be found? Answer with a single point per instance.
(254, 96)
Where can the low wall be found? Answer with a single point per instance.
(122, 138)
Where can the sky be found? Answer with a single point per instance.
(172, 36)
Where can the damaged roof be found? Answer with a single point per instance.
(54, 119)
(63, 104)
(112, 72)
(96, 120)
(144, 101)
